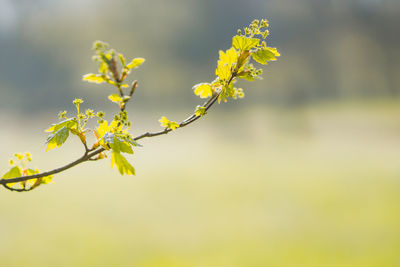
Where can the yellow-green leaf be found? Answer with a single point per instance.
(168, 124)
(173, 125)
(57, 139)
(102, 129)
(12, 173)
(31, 172)
(103, 67)
(265, 55)
(244, 43)
(229, 57)
(223, 71)
(204, 90)
(119, 146)
(95, 78)
(136, 62)
(70, 123)
(123, 166)
(47, 179)
(115, 98)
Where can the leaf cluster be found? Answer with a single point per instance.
(235, 63)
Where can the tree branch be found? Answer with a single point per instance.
(87, 156)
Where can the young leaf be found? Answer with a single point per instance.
(115, 98)
(103, 67)
(128, 139)
(223, 71)
(204, 90)
(119, 146)
(123, 166)
(95, 78)
(229, 57)
(265, 55)
(102, 129)
(169, 124)
(68, 123)
(244, 43)
(136, 62)
(12, 173)
(31, 172)
(57, 139)
(246, 75)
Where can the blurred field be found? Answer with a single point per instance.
(312, 186)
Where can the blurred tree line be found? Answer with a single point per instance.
(331, 49)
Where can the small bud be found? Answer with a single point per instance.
(61, 114)
(100, 114)
(90, 113)
(133, 87)
(19, 156)
(265, 34)
(28, 156)
(264, 23)
(77, 101)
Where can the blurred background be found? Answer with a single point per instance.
(304, 171)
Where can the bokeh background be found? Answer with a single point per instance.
(304, 171)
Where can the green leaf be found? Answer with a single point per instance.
(128, 139)
(229, 57)
(46, 179)
(119, 146)
(265, 55)
(169, 124)
(70, 123)
(223, 71)
(95, 78)
(102, 129)
(57, 139)
(115, 98)
(204, 90)
(12, 173)
(123, 166)
(246, 75)
(136, 62)
(244, 43)
(103, 67)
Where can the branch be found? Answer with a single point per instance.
(185, 122)
(87, 156)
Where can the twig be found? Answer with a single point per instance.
(89, 153)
